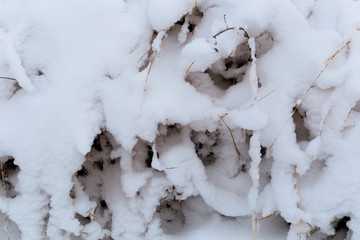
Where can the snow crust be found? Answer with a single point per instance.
(155, 119)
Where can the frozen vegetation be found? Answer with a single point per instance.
(179, 119)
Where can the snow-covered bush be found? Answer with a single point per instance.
(181, 119)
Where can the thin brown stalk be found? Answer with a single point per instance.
(308, 236)
(262, 34)
(270, 215)
(222, 31)
(144, 55)
(2, 174)
(8, 78)
(132, 159)
(311, 86)
(299, 232)
(268, 94)
(193, 22)
(265, 96)
(169, 168)
(232, 136)
(314, 230)
(322, 128)
(187, 70)
(152, 61)
(348, 115)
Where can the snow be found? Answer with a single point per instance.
(179, 119)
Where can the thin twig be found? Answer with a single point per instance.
(222, 31)
(232, 136)
(8, 78)
(262, 34)
(311, 86)
(225, 19)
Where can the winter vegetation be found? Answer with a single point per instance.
(181, 119)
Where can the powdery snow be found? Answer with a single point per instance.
(182, 119)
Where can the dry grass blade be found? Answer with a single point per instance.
(152, 61)
(323, 124)
(222, 31)
(262, 98)
(265, 96)
(232, 136)
(187, 70)
(144, 55)
(299, 231)
(193, 22)
(314, 230)
(270, 215)
(7, 226)
(308, 236)
(132, 159)
(348, 115)
(91, 167)
(246, 42)
(169, 168)
(311, 86)
(259, 219)
(8, 78)
(2, 174)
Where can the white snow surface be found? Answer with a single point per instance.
(181, 119)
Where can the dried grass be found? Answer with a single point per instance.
(232, 136)
(329, 60)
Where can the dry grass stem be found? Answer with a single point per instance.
(169, 168)
(2, 174)
(329, 60)
(265, 96)
(144, 55)
(152, 61)
(270, 215)
(132, 159)
(187, 70)
(314, 230)
(193, 22)
(322, 128)
(232, 136)
(222, 31)
(8, 78)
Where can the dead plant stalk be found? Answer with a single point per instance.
(329, 60)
